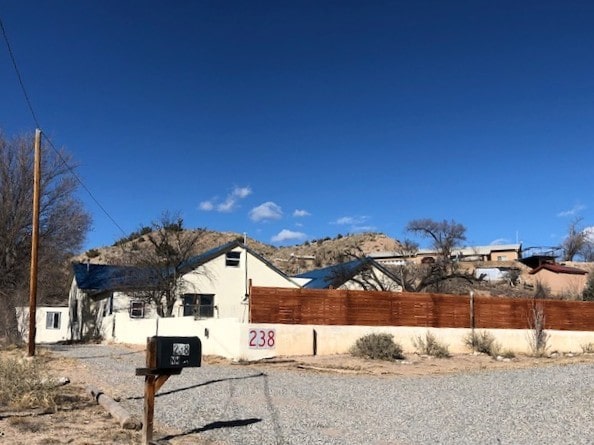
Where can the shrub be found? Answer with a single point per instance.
(538, 337)
(22, 385)
(588, 348)
(377, 347)
(429, 345)
(93, 253)
(483, 342)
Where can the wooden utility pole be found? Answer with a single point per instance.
(34, 244)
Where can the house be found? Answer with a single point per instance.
(358, 274)
(215, 285)
(561, 280)
(496, 253)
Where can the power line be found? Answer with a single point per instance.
(18, 73)
(36, 121)
(71, 170)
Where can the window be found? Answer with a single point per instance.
(108, 306)
(232, 259)
(137, 309)
(198, 305)
(52, 320)
(502, 258)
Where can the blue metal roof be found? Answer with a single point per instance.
(97, 278)
(105, 277)
(334, 276)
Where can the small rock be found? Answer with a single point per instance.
(63, 381)
(499, 358)
(569, 354)
(507, 360)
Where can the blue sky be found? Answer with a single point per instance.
(299, 120)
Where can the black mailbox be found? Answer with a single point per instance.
(174, 352)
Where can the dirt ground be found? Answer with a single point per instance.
(80, 421)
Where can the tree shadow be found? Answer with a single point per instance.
(214, 426)
(209, 382)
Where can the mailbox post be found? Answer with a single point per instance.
(165, 356)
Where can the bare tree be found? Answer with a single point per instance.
(164, 262)
(443, 274)
(577, 241)
(63, 226)
(363, 271)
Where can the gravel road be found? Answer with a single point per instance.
(228, 404)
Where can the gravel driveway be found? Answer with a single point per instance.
(246, 405)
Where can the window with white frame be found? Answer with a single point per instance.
(137, 309)
(232, 259)
(52, 320)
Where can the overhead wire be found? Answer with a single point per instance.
(36, 121)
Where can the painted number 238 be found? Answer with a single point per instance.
(262, 338)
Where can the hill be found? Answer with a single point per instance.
(290, 259)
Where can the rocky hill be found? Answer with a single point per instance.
(292, 259)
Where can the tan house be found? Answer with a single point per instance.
(561, 280)
(497, 253)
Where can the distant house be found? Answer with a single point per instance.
(215, 286)
(561, 280)
(492, 253)
(359, 274)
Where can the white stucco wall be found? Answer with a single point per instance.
(231, 339)
(230, 284)
(45, 333)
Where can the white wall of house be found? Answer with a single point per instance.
(379, 278)
(52, 324)
(229, 283)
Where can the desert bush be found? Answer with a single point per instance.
(483, 342)
(377, 347)
(429, 345)
(588, 348)
(507, 353)
(23, 385)
(93, 253)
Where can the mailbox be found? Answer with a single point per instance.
(174, 352)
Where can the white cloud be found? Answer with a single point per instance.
(206, 206)
(267, 211)
(363, 229)
(499, 241)
(241, 192)
(230, 202)
(298, 213)
(353, 220)
(572, 212)
(287, 235)
(589, 231)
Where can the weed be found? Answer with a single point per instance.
(508, 353)
(23, 385)
(377, 347)
(588, 348)
(483, 342)
(538, 337)
(429, 345)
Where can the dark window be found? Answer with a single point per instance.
(108, 308)
(232, 259)
(198, 305)
(52, 320)
(137, 309)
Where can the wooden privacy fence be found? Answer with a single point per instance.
(373, 308)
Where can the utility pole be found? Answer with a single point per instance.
(34, 244)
